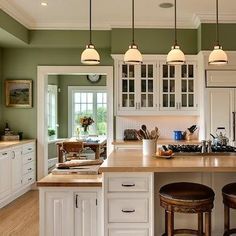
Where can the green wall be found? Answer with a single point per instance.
(18, 63)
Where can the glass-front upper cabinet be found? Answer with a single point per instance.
(168, 86)
(187, 86)
(147, 87)
(127, 86)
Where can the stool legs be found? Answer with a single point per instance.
(200, 224)
(226, 210)
(208, 223)
(170, 223)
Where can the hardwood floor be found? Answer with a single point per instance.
(21, 217)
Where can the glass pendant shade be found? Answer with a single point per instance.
(218, 56)
(90, 55)
(133, 55)
(175, 56)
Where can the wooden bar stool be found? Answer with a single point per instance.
(186, 197)
(229, 200)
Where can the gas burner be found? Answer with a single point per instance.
(198, 148)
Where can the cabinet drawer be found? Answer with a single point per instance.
(28, 158)
(29, 167)
(4, 154)
(128, 210)
(29, 178)
(128, 232)
(128, 184)
(28, 148)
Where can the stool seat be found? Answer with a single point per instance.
(185, 191)
(229, 189)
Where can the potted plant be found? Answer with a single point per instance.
(51, 134)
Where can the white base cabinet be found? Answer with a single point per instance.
(70, 211)
(128, 204)
(16, 176)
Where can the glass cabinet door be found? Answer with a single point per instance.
(147, 86)
(127, 86)
(187, 86)
(168, 87)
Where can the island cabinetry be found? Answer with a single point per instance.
(70, 211)
(128, 204)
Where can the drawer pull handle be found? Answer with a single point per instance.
(29, 149)
(29, 169)
(4, 154)
(128, 185)
(29, 179)
(29, 159)
(128, 211)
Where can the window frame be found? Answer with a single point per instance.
(85, 89)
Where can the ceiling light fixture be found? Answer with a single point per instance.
(44, 4)
(217, 56)
(90, 55)
(175, 56)
(133, 55)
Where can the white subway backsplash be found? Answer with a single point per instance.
(165, 124)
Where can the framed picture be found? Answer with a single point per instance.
(18, 93)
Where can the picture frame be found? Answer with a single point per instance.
(18, 93)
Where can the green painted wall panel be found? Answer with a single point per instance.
(69, 38)
(227, 36)
(13, 27)
(22, 64)
(154, 41)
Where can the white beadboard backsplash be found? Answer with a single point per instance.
(166, 124)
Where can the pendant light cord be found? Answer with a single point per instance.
(175, 24)
(132, 22)
(217, 23)
(90, 21)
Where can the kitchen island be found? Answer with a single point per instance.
(131, 183)
(125, 200)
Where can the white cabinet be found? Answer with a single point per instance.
(17, 171)
(128, 204)
(86, 214)
(178, 87)
(155, 88)
(70, 211)
(16, 163)
(5, 174)
(220, 111)
(137, 88)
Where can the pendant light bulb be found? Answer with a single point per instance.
(133, 55)
(217, 56)
(90, 55)
(176, 55)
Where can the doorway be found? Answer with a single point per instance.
(42, 117)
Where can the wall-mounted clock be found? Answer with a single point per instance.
(94, 78)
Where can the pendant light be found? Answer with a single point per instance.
(175, 56)
(90, 55)
(133, 55)
(217, 56)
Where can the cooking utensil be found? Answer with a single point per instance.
(142, 133)
(153, 134)
(138, 135)
(144, 128)
(220, 139)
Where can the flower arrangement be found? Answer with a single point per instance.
(85, 122)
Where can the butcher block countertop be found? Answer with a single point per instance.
(9, 144)
(159, 142)
(72, 180)
(125, 160)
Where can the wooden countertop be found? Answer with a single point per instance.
(134, 161)
(9, 144)
(71, 181)
(159, 142)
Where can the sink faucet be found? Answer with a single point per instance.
(209, 144)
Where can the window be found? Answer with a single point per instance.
(91, 102)
(52, 111)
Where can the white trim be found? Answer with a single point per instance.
(42, 82)
(70, 101)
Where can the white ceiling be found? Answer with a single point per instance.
(73, 14)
